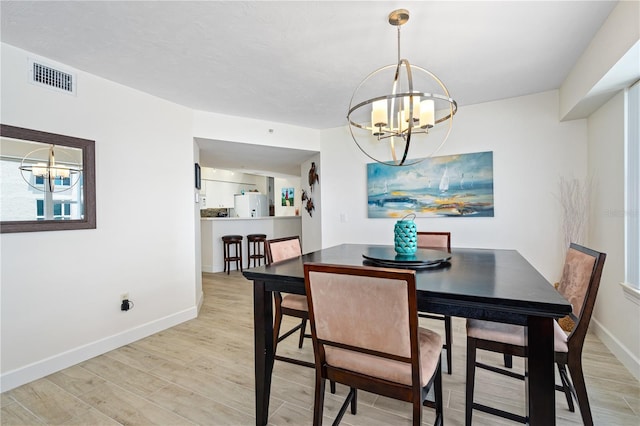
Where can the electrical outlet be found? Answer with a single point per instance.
(126, 303)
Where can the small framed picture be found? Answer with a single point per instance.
(287, 197)
(198, 177)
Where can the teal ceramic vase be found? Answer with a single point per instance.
(405, 235)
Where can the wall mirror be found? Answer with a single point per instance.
(47, 181)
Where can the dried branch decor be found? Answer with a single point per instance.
(575, 197)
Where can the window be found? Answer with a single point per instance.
(59, 181)
(60, 210)
(632, 191)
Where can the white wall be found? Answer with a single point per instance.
(616, 319)
(531, 151)
(61, 290)
(214, 126)
(579, 93)
(197, 243)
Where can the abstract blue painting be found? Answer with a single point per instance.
(448, 186)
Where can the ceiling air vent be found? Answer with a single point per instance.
(47, 76)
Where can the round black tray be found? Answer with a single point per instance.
(421, 259)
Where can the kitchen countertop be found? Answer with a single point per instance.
(213, 228)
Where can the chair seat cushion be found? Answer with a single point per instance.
(295, 301)
(511, 334)
(394, 371)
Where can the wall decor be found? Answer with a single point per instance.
(314, 177)
(308, 206)
(446, 186)
(287, 197)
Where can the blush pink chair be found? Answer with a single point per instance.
(364, 326)
(579, 285)
(439, 241)
(294, 305)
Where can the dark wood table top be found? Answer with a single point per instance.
(475, 283)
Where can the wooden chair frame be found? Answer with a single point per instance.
(448, 333)
(280, 311)
(574, 388)
(414, 393)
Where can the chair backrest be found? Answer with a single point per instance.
(579, 285)
(364, 310)
(278, 249)
(435, 240)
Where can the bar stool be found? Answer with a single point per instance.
(255, 243)
(227, 242)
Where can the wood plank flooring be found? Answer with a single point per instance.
(201, 372)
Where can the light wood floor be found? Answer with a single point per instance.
(201, 372)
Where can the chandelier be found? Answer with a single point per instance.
(49, 171)
(399, 104)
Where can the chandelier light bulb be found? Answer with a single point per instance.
(416, 107)
(61, 172)
(39, 170)
(379, 113)
(427, 114)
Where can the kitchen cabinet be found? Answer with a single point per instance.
(220, 194)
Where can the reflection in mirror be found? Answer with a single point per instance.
(47, 181)
(53, 174)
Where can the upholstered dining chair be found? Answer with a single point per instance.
(439, 241)
(294, 305)
(579, 285)
(364, 327)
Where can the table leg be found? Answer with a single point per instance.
(541, 405)
(263, 342)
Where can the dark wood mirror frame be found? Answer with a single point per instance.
(89, 182)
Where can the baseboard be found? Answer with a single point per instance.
(212, 269)
(630, 361)
(39, 369)
(200, 301)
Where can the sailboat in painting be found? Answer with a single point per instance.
(444, 182)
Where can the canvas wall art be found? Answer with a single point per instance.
(287, 197)
(447, 186)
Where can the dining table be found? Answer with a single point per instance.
(488, 284)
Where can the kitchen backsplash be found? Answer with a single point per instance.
(219, 212)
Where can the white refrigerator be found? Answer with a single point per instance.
(251, 204)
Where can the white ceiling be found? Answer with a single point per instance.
(298, 62)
